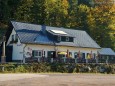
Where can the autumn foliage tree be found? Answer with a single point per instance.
(101, 20)
(97, 17)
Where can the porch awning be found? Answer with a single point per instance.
(63, 53)
(106, 51)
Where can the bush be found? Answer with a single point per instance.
(6, 68)
(20, 69)
(40, 67)
(57, 67)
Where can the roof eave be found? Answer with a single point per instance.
(58, 45)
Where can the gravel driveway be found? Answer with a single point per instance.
(57, 80)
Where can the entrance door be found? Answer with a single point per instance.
(9, 50)
(51, 54)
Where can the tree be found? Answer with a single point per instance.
(38, 12)
(71, 21)
(82, 13)
(101, 21)
(57, 11)
(7, 10)
(23, 12)
(86, 2)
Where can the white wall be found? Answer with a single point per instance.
(30, 47)
(10, 38)
(21, 50)
(17, 53)
(59, 49)
(76, 49)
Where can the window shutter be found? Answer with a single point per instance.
(33, 53)
(83, 55)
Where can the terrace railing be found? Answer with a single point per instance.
(66, 60)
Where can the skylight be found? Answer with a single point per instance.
(58, 32)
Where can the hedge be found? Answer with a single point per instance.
(57, 67)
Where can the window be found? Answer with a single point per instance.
(16, 37)
(79, 55)
(37, 53)
(59, 38)
(67, 39)
(75, 55)
(83, 55)
(12, 37)
(44, 53)
(70, 54)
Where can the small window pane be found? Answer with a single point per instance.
(40, 54)
(59, 38)
(35, 53)
(75, 55)
(44, 53)
(16, 37)
(12, 37)
(67, 38)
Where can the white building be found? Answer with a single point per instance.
(38, 41)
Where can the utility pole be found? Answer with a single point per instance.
(3, 58)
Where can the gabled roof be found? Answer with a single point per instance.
(31, 33)
(106, 51)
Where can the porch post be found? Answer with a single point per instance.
(38, 59)
(3, 59)
(86, 58)
(97, 59)
(64, 59)
(107, 60)
(51, 60)
(75, 60)
(23, 59)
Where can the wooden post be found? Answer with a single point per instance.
(107, 58)
(3, 58)
(96, 59)
(23, 61)
(64, 60)
(38, 59)
(51, 60)
(75, 60)
(87, 60)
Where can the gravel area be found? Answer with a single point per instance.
(7, 77)
(57, 80)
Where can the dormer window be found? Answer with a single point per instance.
(14, 38)
(59, 35)
(67, 39)
(59, 38)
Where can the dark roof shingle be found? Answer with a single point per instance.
(106, 51)
(31, 33)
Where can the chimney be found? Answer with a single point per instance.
(43, 28)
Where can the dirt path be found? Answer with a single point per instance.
(7, 77)
(57, 80)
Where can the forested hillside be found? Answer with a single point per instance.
(97, 17)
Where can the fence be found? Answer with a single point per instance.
(68, 60)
